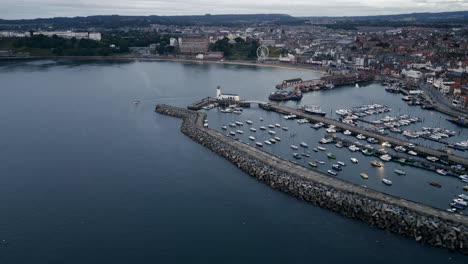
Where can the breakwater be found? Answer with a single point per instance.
(420, 222)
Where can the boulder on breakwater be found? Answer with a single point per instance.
(420, 222)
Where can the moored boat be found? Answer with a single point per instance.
(331, 172)
(441, 172)
(364, 175)
(297, 156)
(400, 172)
(354, 160)
(252, 138)
(376, 163)
(304, 145)
(313, 164)
(320, 162)
(331, 155)
(336, 167)
(387, 181)
(259, 144)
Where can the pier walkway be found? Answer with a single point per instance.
(423, 151)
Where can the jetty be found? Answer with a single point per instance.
(418, 221)
(421, 150)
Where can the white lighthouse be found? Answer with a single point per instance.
(233, 98)
(218, 93)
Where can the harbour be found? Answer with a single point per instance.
(126, 159)
(306, 184)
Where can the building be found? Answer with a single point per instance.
(231, 98)
(197, 44)
(70, 34)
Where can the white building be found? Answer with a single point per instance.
(226, 97)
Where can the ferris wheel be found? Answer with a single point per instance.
(262, 53)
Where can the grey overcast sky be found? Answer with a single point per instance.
(16, 9)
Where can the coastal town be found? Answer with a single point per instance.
(427, 59)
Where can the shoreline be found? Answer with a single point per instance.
(131, 58)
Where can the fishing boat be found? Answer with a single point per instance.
(354, 160)
(304, 145)
(224, 127)
(386, 157)
(353, 148)
(313, 164)
(457, 206)
(387, 181)
(252, 138)
(337, 167)
(386, 144)
(331, 156)
(331, 172)
(400, 172)
(297, 156)
(441, 172)
(259, 144)
(253, 129)
(341, 163)
(294, 147)
(363, 175)
(376, 163)
(313, 110)
(267, 142)
(320, 162)
(400, 149)
(321, 148)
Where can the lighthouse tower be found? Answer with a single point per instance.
(218, 92)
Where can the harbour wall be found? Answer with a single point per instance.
(420, 222)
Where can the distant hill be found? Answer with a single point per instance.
(116, 21)
(459, 16)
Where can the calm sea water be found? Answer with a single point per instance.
(88, 177)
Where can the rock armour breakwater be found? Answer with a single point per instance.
(420, 222)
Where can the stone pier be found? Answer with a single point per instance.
(423, 223)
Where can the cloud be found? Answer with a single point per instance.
(14, 9)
